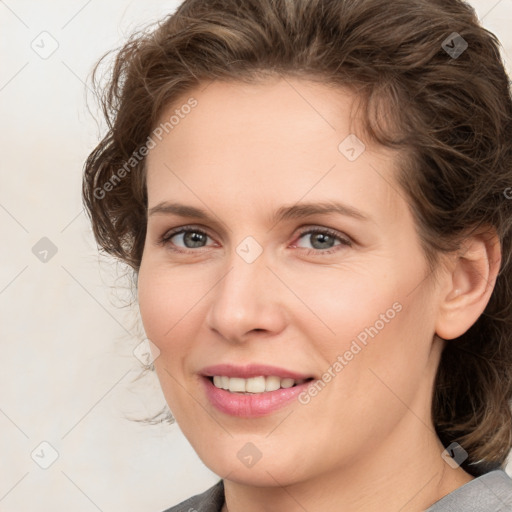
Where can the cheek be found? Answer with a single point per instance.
(168, 301)
(155, 305)
(367, 324)
(341, 304)
(393, 362)
(168, 304)
(371, 384)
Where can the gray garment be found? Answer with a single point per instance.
(491, 492)
(209, 501)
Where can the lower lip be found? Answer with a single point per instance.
(251, 405)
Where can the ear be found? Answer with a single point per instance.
(468, 284)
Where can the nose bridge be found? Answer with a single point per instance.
(244, 299)
(242, 289)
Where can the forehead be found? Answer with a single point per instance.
(256, 144)
(253, 113)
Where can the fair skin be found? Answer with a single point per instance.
(366, 441)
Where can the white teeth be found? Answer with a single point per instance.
(254, 384)
(237, 385)
(272, 383)
(287, 383)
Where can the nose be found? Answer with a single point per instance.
(248, 301)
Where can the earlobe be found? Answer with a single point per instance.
(469, 284)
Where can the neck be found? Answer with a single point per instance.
(396, 477)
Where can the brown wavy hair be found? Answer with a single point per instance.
(449, 115)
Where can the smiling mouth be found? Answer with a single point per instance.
(254, 385)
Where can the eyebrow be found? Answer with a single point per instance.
(296, 211)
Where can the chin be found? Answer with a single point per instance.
(235, 464)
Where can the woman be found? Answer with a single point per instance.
(313, 197)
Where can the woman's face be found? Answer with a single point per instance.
(279, 247)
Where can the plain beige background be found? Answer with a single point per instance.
(67, 366)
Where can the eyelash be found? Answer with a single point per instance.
(346, 242)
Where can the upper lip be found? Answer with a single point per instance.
(251, 370)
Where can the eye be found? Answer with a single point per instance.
(317, 240)
(185, 238)
(321, 239)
